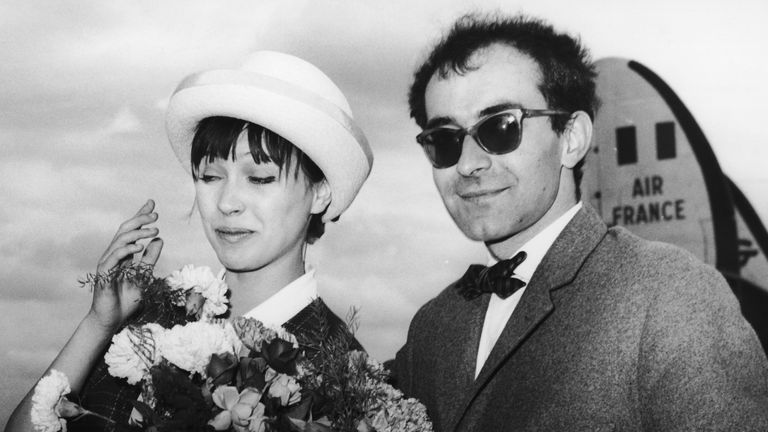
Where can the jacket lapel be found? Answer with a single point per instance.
(317, 323)
(457, 371)
(474, 328)
(558, 267)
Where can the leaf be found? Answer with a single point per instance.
(148, 416)
(301, 411)
(322, 425)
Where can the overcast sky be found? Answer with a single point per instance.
(84, 85)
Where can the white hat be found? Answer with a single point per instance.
(288, 96)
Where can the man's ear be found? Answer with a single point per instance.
(577, 138)
(321, 198)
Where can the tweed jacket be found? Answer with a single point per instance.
(612, 333)
(113, 397)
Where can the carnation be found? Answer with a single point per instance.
(48, 393)
(393, 412)
(252, 332)
(133, 352)
(287, 336)
(190, 277)
(215, 293)
(201, 280)
(190, 346)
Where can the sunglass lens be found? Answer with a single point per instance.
(500, 134)
(443, 147)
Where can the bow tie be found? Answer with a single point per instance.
(498, 279)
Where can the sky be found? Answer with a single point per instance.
(84, 86)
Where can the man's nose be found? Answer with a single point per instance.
(473, 158)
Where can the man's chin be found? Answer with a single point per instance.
(486, 234)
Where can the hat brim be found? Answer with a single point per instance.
(322, 131)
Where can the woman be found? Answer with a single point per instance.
(274, 154)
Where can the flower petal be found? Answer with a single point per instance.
(250, 396)
(225, 397)
(222, 421)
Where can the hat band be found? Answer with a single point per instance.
(273, 85)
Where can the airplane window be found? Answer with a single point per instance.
(626, 145)
(665, 140)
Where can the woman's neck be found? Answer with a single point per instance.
(250, 289)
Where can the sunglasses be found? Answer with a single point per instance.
(496, 134)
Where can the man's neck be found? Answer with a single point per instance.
(505, 248)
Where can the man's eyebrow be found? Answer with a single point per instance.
(493, 109)
(439, 121)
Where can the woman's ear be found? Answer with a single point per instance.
(321, 196)
(577, 137)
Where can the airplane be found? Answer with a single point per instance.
(652, 170)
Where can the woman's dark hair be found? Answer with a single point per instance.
(216, 138)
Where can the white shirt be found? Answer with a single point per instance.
(286, 303)
(499, 310)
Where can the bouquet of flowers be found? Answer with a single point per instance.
(212, 374)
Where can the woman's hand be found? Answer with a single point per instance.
(113, 303)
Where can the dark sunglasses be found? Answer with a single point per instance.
(496, 134)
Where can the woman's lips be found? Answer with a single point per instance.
(233, 235)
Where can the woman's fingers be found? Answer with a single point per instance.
(132, 237)
(117, 256)
(131, 231)
(134, 223)
(147, 207)
(152, 252)
(125, 239)
(142, 217)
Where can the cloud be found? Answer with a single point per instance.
(32, 336)
(125, 121)
(81, 125)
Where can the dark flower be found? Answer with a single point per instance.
(281, 356)
(250, 373)
(222, 368)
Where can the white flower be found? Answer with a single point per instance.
(190, 277)
(287, 336)
(201, 280)
(241, 411)
(48, 393)
(285, 388)
(231, 335)
(215, 293)
(133, 352)
(257, 421)
(190, 346)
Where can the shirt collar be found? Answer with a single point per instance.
(538, 246)
(286, 303)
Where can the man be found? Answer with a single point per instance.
(579, 327)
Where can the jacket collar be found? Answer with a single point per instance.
(559, 266)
